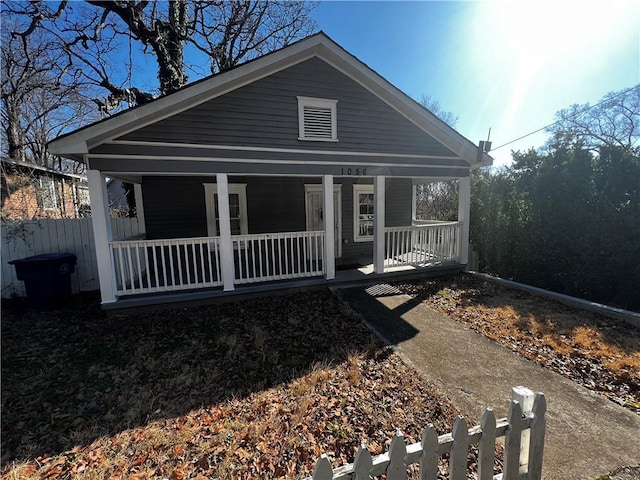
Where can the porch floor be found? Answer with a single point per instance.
(205, 296)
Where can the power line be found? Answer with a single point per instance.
(586, 109)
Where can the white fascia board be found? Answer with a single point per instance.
(68, 145)
(190, 96)
(387, 92)
(487, 161)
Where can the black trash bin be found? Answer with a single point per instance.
(47, 277)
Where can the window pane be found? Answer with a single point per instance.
(365, 214)
(235, 226)
(46, 193)
(234, 213)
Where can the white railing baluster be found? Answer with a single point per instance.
(185, 265)
(122, 264)
(147, 273)
(129, 267)
(419, 245)
(203, 265)
(259, 243)
(287, 260)
(216, 243)
(273, 260)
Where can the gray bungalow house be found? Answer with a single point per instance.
(297, 165)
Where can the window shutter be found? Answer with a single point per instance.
(317, 122)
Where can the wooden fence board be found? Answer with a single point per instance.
(25, 238)
(427, 452)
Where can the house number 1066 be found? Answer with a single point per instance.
(353, 171)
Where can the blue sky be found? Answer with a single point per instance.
(508, 66)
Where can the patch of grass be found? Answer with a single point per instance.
(257, 389)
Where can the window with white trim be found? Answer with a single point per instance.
(237, 209)
(317, 119)
(363, 203)
(46, 194)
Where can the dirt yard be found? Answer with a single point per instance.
(257, 389)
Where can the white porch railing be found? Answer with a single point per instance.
(148, 266)
(278, 256)
(420, 245)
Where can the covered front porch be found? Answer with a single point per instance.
(146, 271)
(291, 131)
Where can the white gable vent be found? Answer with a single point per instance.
(317, 119)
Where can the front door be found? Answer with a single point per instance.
(313, 207)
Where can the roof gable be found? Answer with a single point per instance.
(265, 114)
(77, 143)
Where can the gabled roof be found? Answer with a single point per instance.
(76, 144)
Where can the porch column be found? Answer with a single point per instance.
(137, 191)
(226, 246)
(414, 203)
(464, 209)
(378, 224)
(329, 227)
(101, 221)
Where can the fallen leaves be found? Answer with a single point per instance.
(228, 391)
(600, 353)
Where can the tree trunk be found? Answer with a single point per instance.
(15, 135)
(170, 49)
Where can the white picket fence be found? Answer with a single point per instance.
(523, 431)
(24, 238)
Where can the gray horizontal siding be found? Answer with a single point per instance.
(265, 113)
(175, 207)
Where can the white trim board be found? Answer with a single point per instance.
(141, 143)
(366, 189)
(260, 161)
(337, 208)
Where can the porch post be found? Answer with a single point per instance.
(378, 224)
(137, 190)
(329, 228)
(101, 221)
(464, 209)
(414, 203)
(226, 246)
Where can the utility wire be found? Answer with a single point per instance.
(586, 109)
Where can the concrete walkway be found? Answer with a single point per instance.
(587, 435)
